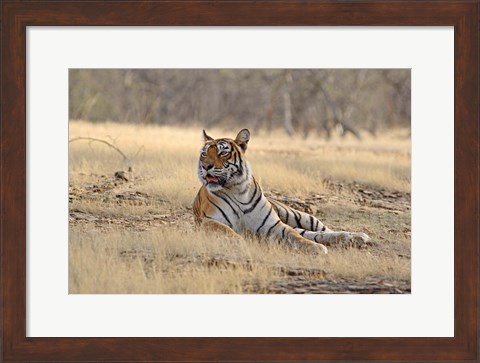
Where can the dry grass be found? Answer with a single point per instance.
(137, 236)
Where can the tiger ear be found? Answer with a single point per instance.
(242, 139)
(206, 137)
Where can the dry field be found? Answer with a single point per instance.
(137, 236)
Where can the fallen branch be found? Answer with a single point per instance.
(91, 139)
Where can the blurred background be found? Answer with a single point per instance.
(324, 102)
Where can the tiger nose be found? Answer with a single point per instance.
(207, 166)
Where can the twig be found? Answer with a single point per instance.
(138, 152)
(102, 141)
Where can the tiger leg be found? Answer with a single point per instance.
(218, 227)
(295, 240)
(313, 229)
(271, 226)
(332, 238)
(297, 219)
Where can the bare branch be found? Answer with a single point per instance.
(91, 139)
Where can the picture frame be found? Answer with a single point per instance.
(17, 16)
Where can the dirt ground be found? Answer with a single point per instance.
(388, 209)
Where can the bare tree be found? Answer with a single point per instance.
(322, 101)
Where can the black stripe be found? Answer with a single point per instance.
(302, 232)
(270, 229)
(265, 219)
(275, 208)
(311, 223)
(316, 224)
(239, 156)
(226, 201)
(235, 157)
(221, 211)
(233, 200)
(324, 228)
(288, 215)
(283, 232)
(315, 238)
(254, 193)
(243, 181)
(279, 208)
(238, 167)
(254, 205)
(250, 201)
(297, 218)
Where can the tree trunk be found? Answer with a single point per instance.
(346, 127)
(287, 104)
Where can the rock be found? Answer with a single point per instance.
(125, 175)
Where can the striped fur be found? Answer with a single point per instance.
(231, 201)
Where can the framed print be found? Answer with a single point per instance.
(100, 260)
(140, 250)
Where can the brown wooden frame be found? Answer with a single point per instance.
(16, 16)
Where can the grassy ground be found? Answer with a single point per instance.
(137, 236)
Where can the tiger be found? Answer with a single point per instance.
(231, 201)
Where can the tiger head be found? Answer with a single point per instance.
(222, 163)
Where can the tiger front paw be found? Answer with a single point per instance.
(355, 239)
(314, 248)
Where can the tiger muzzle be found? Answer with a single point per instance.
(215, 180)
